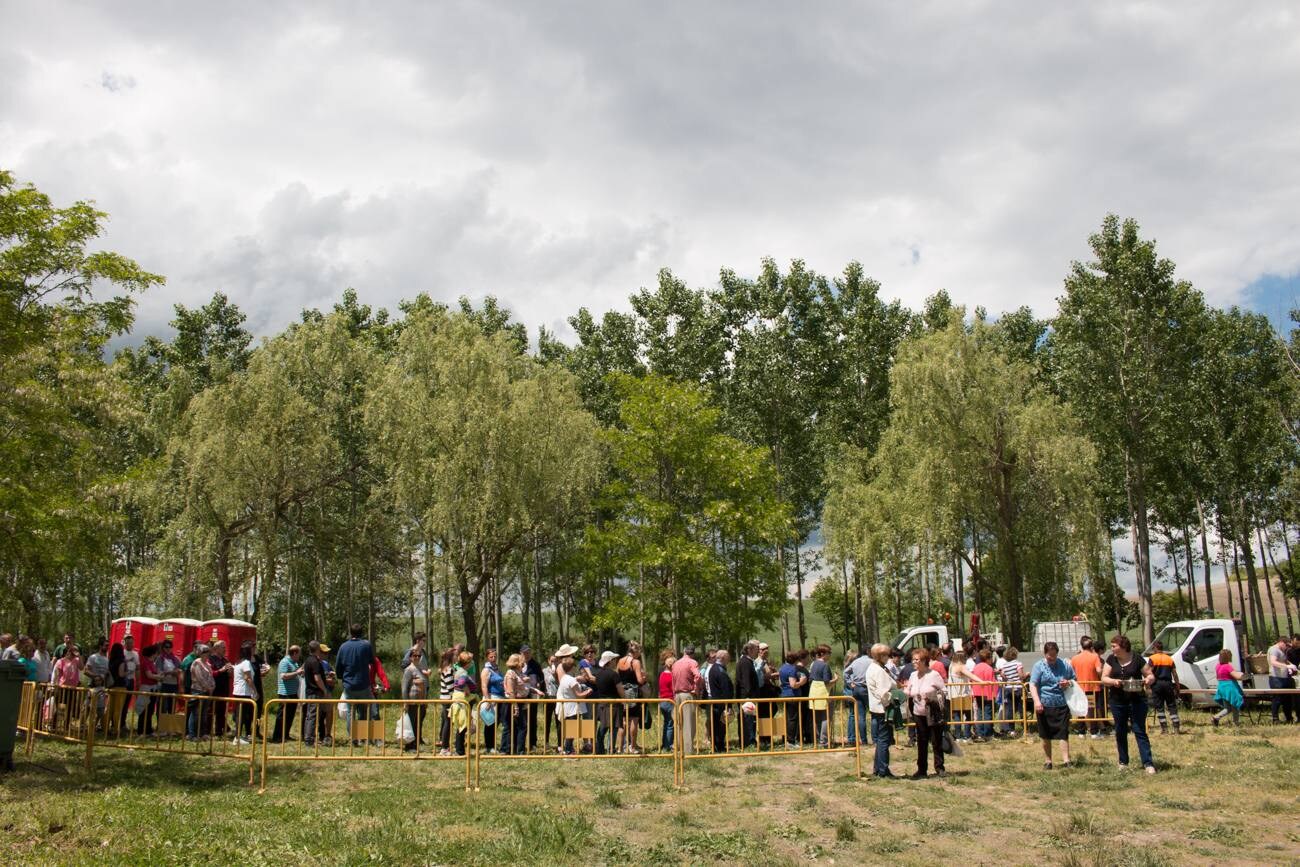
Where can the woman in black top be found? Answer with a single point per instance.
(1127, 675)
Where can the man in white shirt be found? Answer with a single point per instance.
(44, 664)
(1280, 676)
(879, 685)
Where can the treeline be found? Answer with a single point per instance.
(661, 478)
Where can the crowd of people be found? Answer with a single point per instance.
(950, 696)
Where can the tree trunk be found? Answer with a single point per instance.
(798, 596)
(223, 576)
(1281, 581)
(1223, 560)
(1205, 558)
(1137, 502)
(469, 617)
(1191, 569)
(1290, 568)
(1247, 613)
(1252, 577)
(1268, 588)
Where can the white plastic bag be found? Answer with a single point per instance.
(1077, 700)
(404, 732)
(343, 711)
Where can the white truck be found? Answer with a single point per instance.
(1195, 646)
(1066, 634)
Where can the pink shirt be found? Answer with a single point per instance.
(984, 671)
(686, 676)
(67, 672)
(923, 688)
(1224, 671)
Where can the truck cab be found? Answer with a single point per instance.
(913, 637)
(1195, 646)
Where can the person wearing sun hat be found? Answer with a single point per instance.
(609, 716)
(568, 692)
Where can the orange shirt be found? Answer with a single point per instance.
(1086, 665)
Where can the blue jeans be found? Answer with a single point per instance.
(882, 734)
(960, 729)
(984, 713)
(748, 730)
(864, 719)
(856, 722)
(357, 710)
(199, 713)
(1282, 705)
(1132, 715)
(666, 710)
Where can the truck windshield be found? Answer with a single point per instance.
(898, 640)
(1172, 638)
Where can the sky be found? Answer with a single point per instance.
(557, 155)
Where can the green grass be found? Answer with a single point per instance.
(155, 808)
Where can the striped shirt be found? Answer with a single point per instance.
(1010, 673)
(446, 681)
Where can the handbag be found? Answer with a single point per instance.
(946, 742)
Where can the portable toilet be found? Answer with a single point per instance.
(233, 632)
(140, 629)
(182, 631)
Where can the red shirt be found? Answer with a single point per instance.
(984, 671)
(666, 685)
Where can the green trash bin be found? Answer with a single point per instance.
(12, 675)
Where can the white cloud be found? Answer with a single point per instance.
(558, 155)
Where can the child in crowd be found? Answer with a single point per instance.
(1228, 696)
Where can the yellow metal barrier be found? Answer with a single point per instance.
(220, 726)
(1010, 709)
(63, 713)
(592, 728)
(363, 735)
(745, 728)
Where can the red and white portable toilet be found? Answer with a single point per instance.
(139, 628)
(233, 632)
(182, 631)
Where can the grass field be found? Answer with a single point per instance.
(1222, 796)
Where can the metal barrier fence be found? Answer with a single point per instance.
(599, 728)
(745, 728)
(62, 713)
(149, 721)
(985, 709)
(364, 734)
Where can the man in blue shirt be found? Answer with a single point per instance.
(287, 676)
(352, 663)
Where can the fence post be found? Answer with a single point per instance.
(473, 747)
(266, 712)
(90, 718)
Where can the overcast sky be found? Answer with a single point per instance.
(558, 154)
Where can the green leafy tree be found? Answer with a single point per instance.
(975, 446)
(695, 520)
(1124, 347)
(62, 411)
(485, 449)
